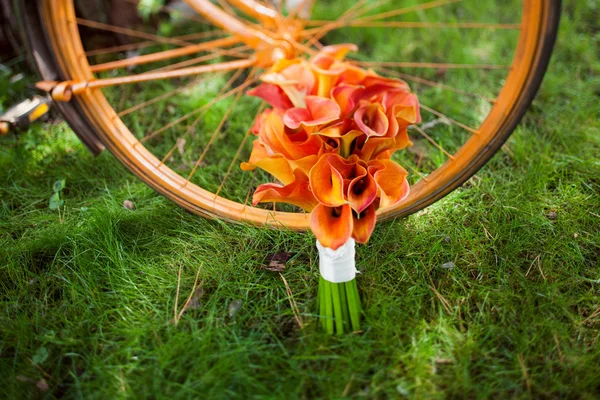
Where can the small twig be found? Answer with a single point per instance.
(433, 123)
(593, 315)
(538, 259)
(177, 295)
(444, 302)
(178, 316)
(560, 353)
(525, 373)
(187, 302)
(531, 266)
(292, 302)
(348, 386)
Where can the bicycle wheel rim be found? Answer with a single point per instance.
(540, 19)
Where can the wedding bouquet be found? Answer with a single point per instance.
(328, 140)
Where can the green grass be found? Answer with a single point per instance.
(87, 296)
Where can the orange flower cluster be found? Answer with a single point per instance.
(328, 140)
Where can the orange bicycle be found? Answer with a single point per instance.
(164, 91)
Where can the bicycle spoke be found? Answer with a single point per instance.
(213, 45)
(237, 153)
(429, 65)
(434, 84)
(205, 107)
(163, 96)
(453, 121)
(154, 76)
(406, 10)
(437, 145)
(432, 25)
(215, 54)
(199, 118)
(148, 43)
(217, 131)
(131, 32)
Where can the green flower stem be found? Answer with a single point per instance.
(353, 304)
(328, 308)
(339, 307)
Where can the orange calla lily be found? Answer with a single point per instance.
(362, 190)
(296, 80)
(404, 106)
(277, 165)
(296, 193)
(318, 111)
(327, 181)
(332, 226)
(329, 142)
(372, 120)
(391, 179)
(278, 140)
(273, 95)
(363, 224)
(346, 96)
(376, 146)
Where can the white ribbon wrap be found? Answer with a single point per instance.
(338, 266)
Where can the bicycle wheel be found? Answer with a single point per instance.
(476, 69)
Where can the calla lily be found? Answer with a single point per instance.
(391, 179)
(327, 180)
(278, 140)
(372, 120)
(344, 137)
(296, 81)
(404, 106)
(363, 224)
(329, 142)
(346, 96)
(362, 190)
(318, 111)
(332, 226)
(296, 193)
(328, 70)
(273, 95)
(277, 165)
(339, 51)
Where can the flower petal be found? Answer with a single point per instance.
(296, 193)
(293, 146)
(364, 224)
(362, 191)
(375, 146)
(371, 119)
(273, 95)
(391, 179)
(332, 225)
(339, 51)
(276, 165)
(327, 183)
(346, 97)
(319, 111)
(403, 106)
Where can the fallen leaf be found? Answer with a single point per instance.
(180, 145)
(277, 261)
(449, 265)
(234, 307)
(59, 185)
(128, 204)
(55, 202)
(40, 356)
(42, 385)
(195, 302)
